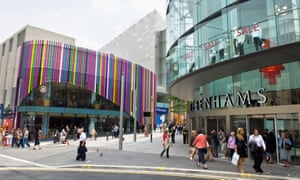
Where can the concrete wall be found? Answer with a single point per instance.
(138, 42)
(9, 58)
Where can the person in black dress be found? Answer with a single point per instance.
(240, 148)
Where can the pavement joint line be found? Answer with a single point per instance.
(121, 171)
(183, 170)
(25, 161)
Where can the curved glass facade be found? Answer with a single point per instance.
(214, 38)
(281, 89)
(201, 33)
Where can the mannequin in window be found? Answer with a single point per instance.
(221, 48)
(240, 41)
(257, 35)
(212, 55)
(235, 42)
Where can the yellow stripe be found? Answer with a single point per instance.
(31, 64)
(75, 64)
(43, 62)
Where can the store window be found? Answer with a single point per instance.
(252, 27)
(214, 41)
(11, 40)
(208, 7)
(3, 49)
(21, 37)
(288, 20)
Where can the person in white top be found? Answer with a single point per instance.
(257, 147)
(221, 48)
(212, 55)
(82, 137)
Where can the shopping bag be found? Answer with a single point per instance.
(235, 158)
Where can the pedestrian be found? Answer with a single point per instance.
(285, 145)
(271, 147)
(94, 134)
(20, 138)
(26, 137)
(55, 136)
(173, 132)
(184, 130)
(215, 143)
(165, 143)
(201, 144)
(82, 137)
(258, 150)
(193, 149)
(240, 148)
(67, 135)
(223, 142)
(62, 137)
(81, 151)
(231, 144)
(37, 140)
(14, 142)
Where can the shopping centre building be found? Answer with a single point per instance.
(144, 44)
(51, 83)
(237, 62)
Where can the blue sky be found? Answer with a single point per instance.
(92, 22)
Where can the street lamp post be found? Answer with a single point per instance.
(121, 113)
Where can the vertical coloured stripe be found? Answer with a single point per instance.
(47, 61)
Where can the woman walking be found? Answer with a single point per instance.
(166, 144)
(259, 147)
(37, 140)
(271, 147)
(240, 148)
(285, 145)
(193, 149)
(231, 144)
(201, 144)
(25, 137)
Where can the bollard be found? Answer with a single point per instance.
(106, 136)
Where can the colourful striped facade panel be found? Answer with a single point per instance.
(47, 61)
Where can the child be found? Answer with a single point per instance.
(81, 151)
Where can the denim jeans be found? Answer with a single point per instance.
(216, 147)
(201, 153)
(25, 142)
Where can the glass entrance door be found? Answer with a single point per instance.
(216, 123)
(289, 124)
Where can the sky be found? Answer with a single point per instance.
(93, 23)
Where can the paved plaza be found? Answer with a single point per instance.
(138, 156)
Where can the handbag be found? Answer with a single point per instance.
(253, 146)
(287, 146)
(235, 158)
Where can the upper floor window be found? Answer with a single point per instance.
(3, 49)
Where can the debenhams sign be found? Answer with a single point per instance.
(228, 100)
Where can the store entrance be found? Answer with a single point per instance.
(216, 123)
(277, 124)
